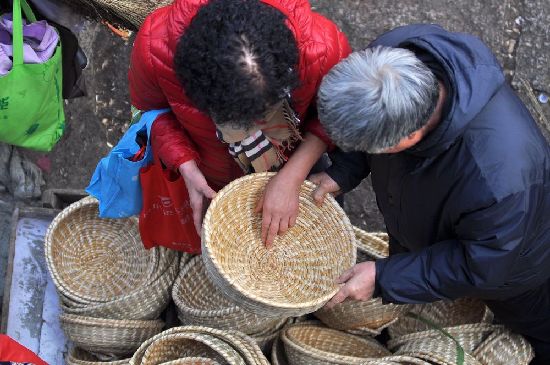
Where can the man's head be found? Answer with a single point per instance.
(236, 60)
(380, 100)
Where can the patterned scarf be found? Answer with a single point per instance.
(263, 147)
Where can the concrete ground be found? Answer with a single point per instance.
(518, 31)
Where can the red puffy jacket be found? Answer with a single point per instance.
(187, 133)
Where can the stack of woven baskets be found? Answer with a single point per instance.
(112, 290)
(443, 333)
(200, 346)
(199, 302)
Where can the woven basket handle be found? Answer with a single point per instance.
(431, 324)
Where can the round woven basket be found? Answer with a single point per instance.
(108, 336)
(176, 346)
(353, 314)
(200, 302)
(316, 345)
(503, 347)
(442, 313)
(371, 245)
(266, 338)
(440, 352)
(78, 356)
(470, 336)
(297, 275)
(146, 302)
(94, 260)
(244, 345)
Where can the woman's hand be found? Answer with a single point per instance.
(279, 205)
(198, 189)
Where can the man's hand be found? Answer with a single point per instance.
(358, 284)
(325, 185)
(279, 206)
(198, 189)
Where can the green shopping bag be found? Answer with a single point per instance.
(31, 103)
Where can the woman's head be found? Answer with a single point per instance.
(236, 60)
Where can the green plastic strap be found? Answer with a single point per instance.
(459, 349)
(18, 28)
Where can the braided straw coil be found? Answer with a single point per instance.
(316, 345)
(371, 245)
(94, 260)
(175, 346)
(108, 336)
(361, 315)
(146, 302)
(244, 345)
(470, 336)
(78, 356)
(266, 338)
(295, 276)
(442, 313)
(200, 302)
(503, 347)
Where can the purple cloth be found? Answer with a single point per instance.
(39, 42)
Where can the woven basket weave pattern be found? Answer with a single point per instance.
(443, 313)
(371, 245)
(309, 344)
(80, 246)
(80, 357)
(352, 314)
(244, 345)
(146, 302)
(504, 348)
(200, 302)
(117, 337)
(297, 274)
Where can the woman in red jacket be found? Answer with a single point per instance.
(240, 77)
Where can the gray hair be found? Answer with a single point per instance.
(376, 97)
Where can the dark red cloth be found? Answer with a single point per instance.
(186, 133)
(12, 351)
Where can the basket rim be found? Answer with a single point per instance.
(368, 249)
(205, 338)
(463, 328)
(60, 284)
(111, 323)
(207, 251)
(196, 311)
(72, 357)
(323, 355)
(228, 336)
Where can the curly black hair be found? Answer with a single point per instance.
(236, 59)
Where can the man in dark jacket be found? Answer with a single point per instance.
(460, 170)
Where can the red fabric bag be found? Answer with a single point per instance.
(166, 217)
(12, 351)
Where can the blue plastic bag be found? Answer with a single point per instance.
(115, 182)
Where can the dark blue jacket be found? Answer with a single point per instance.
(467, 208)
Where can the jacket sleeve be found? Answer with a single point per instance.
(475, 264)
(348, 169)
(337, 48)
(168, 138)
